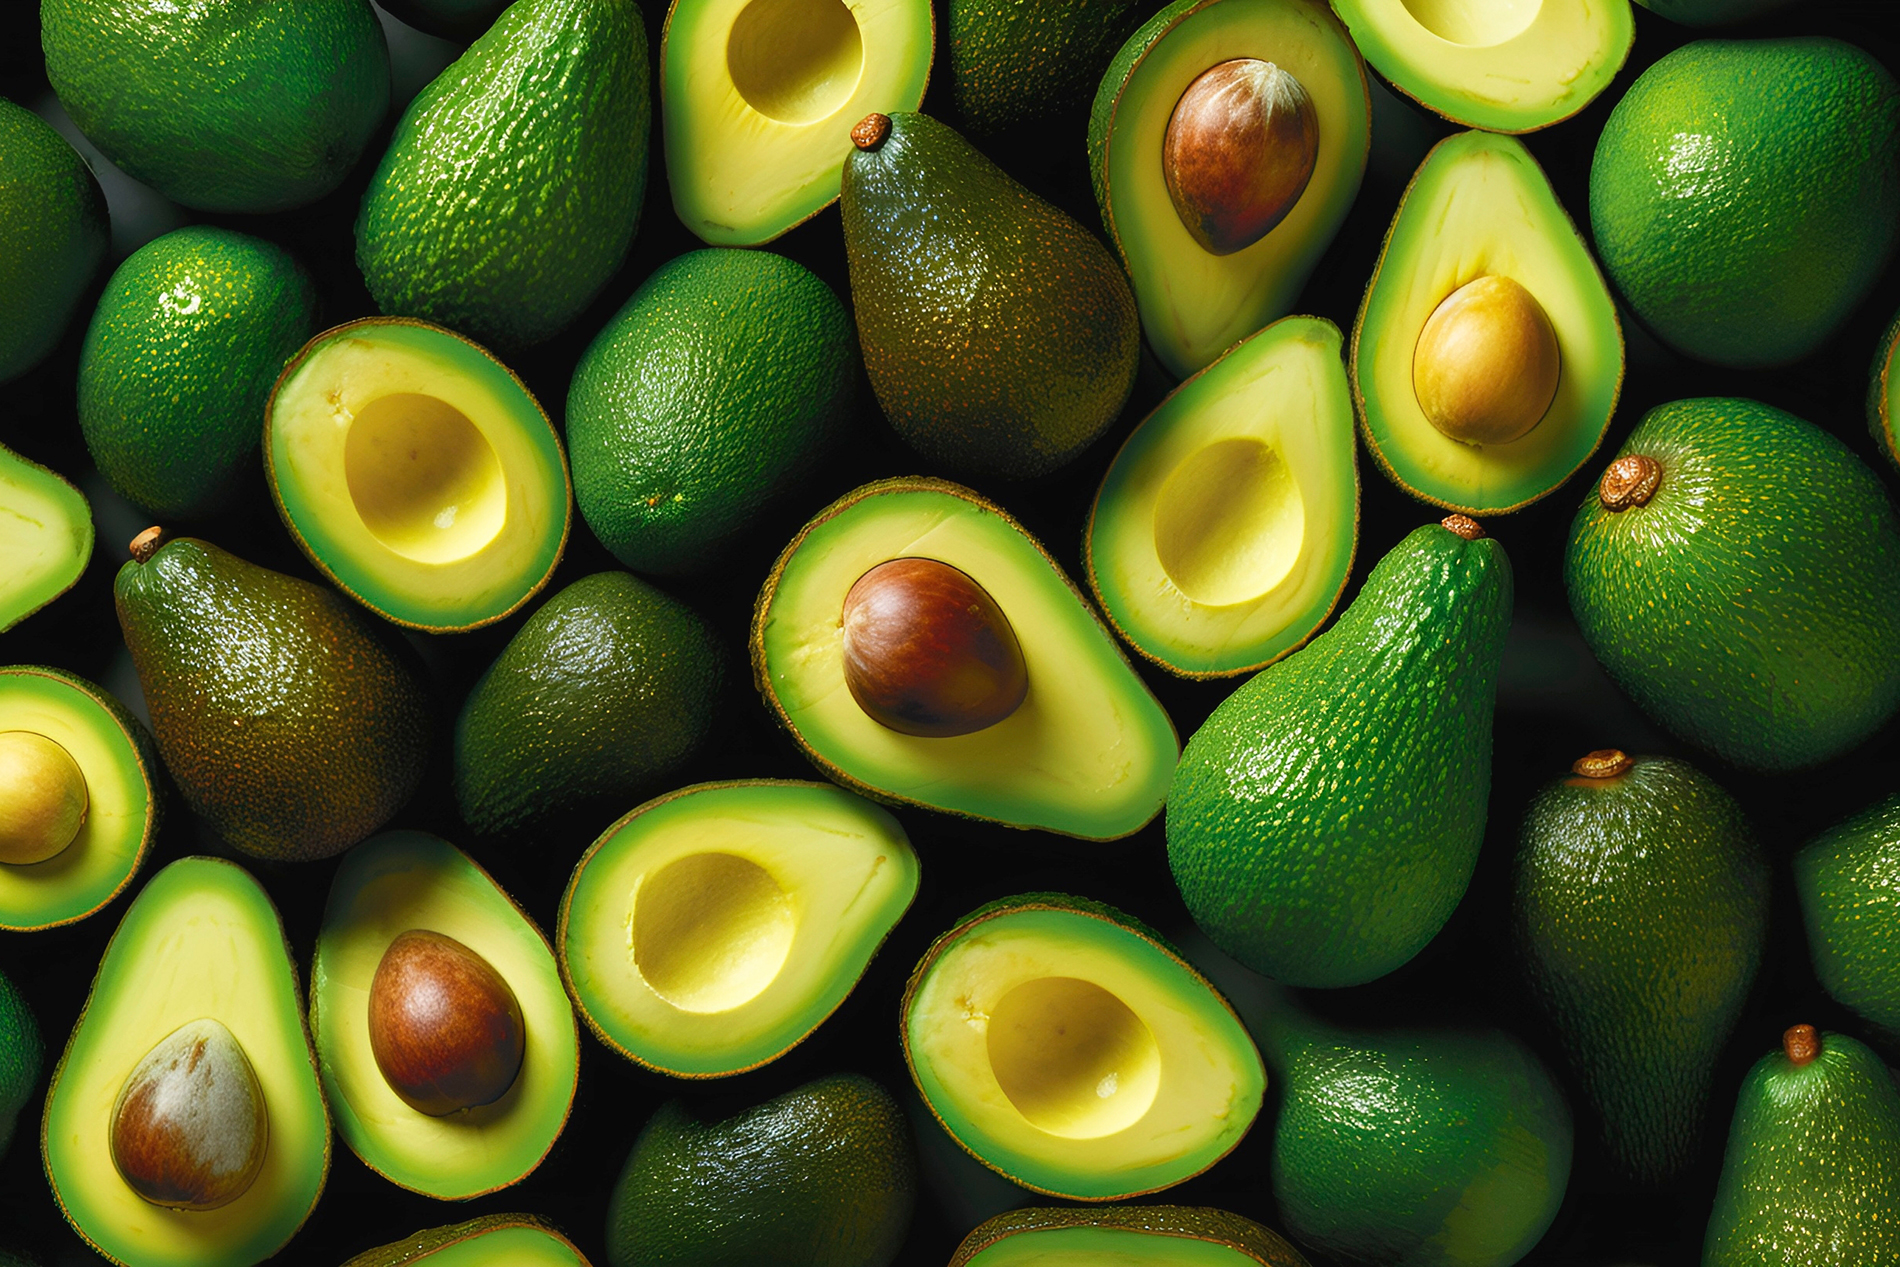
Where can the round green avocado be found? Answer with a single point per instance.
(1848, 879)
(53, 236)
(498, 1240)
(1149, 1235)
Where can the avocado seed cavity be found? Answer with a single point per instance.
(1486, 364)
(444, 1027)
(189, 1130)
(1240, 147)
(43, 798)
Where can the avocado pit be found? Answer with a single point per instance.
(43, 798)
(189, 1129)
(445, 1029)
(1239, 150)
(1486, 364)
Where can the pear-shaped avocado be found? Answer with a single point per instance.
(45, 536)
(495, 1240)
(1152, 1235)
(1848, 879)
(999, 335)
(53, 240)
(1326, 818)
(20, 1055)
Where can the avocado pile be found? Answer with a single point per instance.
(1277, 645)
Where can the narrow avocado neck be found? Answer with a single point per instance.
(146, 544)
(1464, 525)
(1604, 763)
(1802, 1045)
(872, 131)
(1631, 480)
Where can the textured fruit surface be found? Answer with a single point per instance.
(495, 1240)
(1017, 63)
(1153, 1235)
(20, 1056)
(45, 536)
(1710, 12)
(1848, 879)
(53, 239)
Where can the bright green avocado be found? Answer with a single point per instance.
(1144, 1235)
(20, 1054)
(1088, 752)
(496, 1240)
(201, 941)
(45, 536)
(1480, 210)
(1223, 533)
(387, 886)
(1848, 879)
(1883, 396)
(710, 931)
(418, 473)
(1015, 64)
(53, 236)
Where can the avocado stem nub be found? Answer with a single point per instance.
(146, 544)
(1604, 763)
(1631, 480)
(1464, 525)
(871, 131)
(1802, 1044)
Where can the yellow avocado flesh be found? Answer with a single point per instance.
(201, 940)
(1107, 1247)
(1225, 528)
(758, 99)
(710, 931)
(409, 880)
(45, 537)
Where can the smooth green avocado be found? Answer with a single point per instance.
(1848, 879)
(495, 1240)
(45, 536)
(54, 239)
(20, 1054)
(1148, 1235)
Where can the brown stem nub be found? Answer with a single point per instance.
(871, 131)
(1631, 480)
(1802, 1045)
(146, 544)
(1604, 763)
(1464, 525)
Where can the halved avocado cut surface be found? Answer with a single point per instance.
(1224, 531)
(709, 931)
(201, 941)
(387, 886)
(1088, 752)
(45, 536)
(119, 790)
(1070, 1049)
(417, 473)
(1194, 304)
(499, 1240)
(1124, 1236)
(758, 99)
(1480, 208)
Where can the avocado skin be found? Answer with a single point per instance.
(233, 105)
(1011, 374)
(512, 188)
(1164, 1223)
(418, 1246)
(179, 361)
(1743, 228)
(1019, 62)
(53, 236)
(20, 1056)
(289, 722)
(1710, 12)
(1848, 878)
(1639, 911)
(1753, 606)
(822, 1176)
(717, 388)
(1380, 731)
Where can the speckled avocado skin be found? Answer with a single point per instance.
(52, 236)
(1165, 1225)
(1018, 62)
(1848, 879)
(1325, 820)
(1639, 909)
(1753, 605)
(20, 1055)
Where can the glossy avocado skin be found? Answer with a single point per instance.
(53, 235)
(1015, 63)
(1848, 879)
(20, 1054)
(1710, 12)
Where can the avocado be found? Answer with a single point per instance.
(1737, 571)
(1744, 228)
(458, 20)
(106, 768)
(1072, 1050)
(1150, 1235)
(445, 543)
(714, 391)
(20, 1054)
(1639, 911)
(605, 691)
(45, 536)
(999, 335)
(1302, 160)
(512, 187)
(495, 1240)
(179, 360)
(54, 236)
(1487, 356)
(292, 725)
(1710, 12)
(1085, 751)
(1883, 396)
(822, 1174)
(1847, 879)
(201, 946)
(1380, 728)
(758, 99)
(1223, 533)
(243, 105)
(1018, 63)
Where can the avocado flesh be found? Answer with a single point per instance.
(758, 99)
(1224, 531)
(499, 1240)
(45, 536)
(1124, 1236)
(410, 880)
(1088, 753)
(1195, 305)
(1073, 1052)
(201, 940)
(710, 931)
(1481, 206)
(54, 239)
(1848, 879)
(1883, 396)
(452, 541)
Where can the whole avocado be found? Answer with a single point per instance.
(1848, 879)
(20, 1054)
(53, 235)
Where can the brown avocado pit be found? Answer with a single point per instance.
(189, 1130)
(1486, 364)
(446, 1030)
(43, 798)
(1240, 147)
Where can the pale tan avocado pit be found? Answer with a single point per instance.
(1073, 1058)
(1240, 147)
(1474, 23)
(796, 61)
(1229, 522)
(710, 932)
(43, 798)
(1486, 364)
(189, 1129)
(424, 479)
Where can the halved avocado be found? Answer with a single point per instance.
(758, 99)
(1069, 1048)
(1883, 395)
(110, 755)
(1480, 209)
(1087, 752)
(1498, 65)
(45, 536)
(389, 885)
(1223, 534)
(711, 930)
(1149, 1235)
(499, 1240)
(201, 941)
(1195, 304)
(418, 473)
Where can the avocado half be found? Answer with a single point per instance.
(417, 473)
(499, 1240)
(124, 795)
(406, 880)
(45, 536)
(1152, 1235)
(1088, 753)
(711, 930)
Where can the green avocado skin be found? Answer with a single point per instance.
(53, 236)
(1848, 879)
(1639, 909)
(1742, 226)
(717, 388)
(20, 1056)
(1020, 62)
(822, 1176)
(1752, 606)
(1324, 822)
(222, 105)
(512, 188)
(178, 364)
(1710, 12)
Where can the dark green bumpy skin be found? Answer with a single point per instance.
(1018, 62)
(53, 236)
(1848, 879)
(20, 1055)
